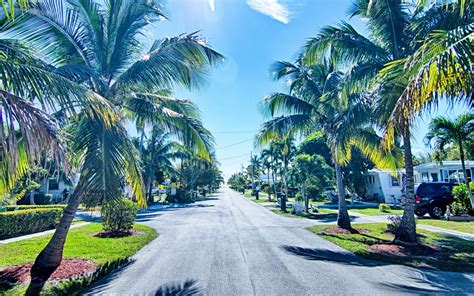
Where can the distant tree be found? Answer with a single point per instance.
(460, 131)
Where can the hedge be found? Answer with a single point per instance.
(31, 207)
(23, 222)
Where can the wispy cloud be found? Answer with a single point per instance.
(273, 8)
(212, 5)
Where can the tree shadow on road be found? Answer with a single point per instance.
(186, 288)
(428, 282)
(330, 256)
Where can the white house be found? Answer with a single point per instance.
(447, 171)
(384, 187)
(56, 186)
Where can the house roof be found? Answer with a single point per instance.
(444, 164)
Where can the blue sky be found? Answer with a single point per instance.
(251, 34)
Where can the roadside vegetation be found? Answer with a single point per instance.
(83, 243)
(373, 242)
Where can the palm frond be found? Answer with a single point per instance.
(178, 61)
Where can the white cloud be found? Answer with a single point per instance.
(273, 8)
(212, 5)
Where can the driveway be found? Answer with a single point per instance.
(228, 245)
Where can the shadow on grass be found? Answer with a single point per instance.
(186, 288)
(330, 256)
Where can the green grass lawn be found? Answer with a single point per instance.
(79, 244)
(453, 254)
(467, 227)
(376, 212)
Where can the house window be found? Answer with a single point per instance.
(371, 179)
(394, 181)
(434, 177)
(424, 177)
(53, 184)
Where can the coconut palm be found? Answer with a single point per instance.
(390, 33)
(266, 159)
(460, 131)
(100, 46)
(321, 106)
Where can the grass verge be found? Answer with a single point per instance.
(376, 212)
(467, 227)
(107, 253)
(437, 251)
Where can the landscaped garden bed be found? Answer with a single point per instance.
(86, 258)
(374, 242)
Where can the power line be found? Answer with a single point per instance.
(235, 157)
(235, 144)
(234, 132)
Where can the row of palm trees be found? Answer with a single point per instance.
(352, 86)
(73, 75)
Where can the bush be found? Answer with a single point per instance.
(31, 207)
(118, 216)
(393, 223)
(15, 223)
(462, 205)
(384, 208)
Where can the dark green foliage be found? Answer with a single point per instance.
(384, 208)
(182, 196)
(23, 222)
(30, 207)
(462, 205)
(119, 215)
(394, 223)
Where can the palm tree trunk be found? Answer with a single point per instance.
(306, 201)
(51, 256)
(150, 190)
(461, 154)
(343, 219)
(268, 181)
(406, 232)
(32, 197)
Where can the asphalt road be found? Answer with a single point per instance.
(228, 245)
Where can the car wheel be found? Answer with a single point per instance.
(437, 212)
(419, 214)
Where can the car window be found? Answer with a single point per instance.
(445, 189)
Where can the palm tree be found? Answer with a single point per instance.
(315, 102)
(390, 27)
(157, 155)
(266, 159)
(254, 170)
(100, 47)
(459, 131)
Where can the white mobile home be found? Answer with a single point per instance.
(447, 171)
(383, 187)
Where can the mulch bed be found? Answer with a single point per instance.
(338, 230)
(69, 268)
(398, 250)
(103, 234)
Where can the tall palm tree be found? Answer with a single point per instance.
(100, 46)
(266, 158)
(315, 102)
(390, 33)
(459, 131)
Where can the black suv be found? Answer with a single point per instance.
(433, 198)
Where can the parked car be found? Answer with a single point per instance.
(433, 198)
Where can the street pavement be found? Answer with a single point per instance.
(228, 245)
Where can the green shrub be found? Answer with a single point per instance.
(23, 222)
(393, 223)
(462, 204)
(384, 208)
(31, 207)
(118, 216)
